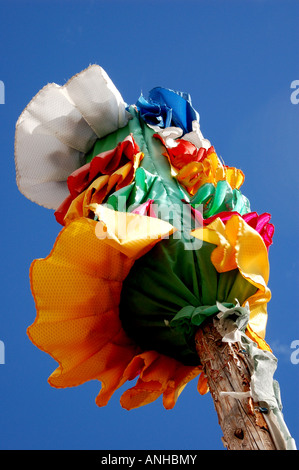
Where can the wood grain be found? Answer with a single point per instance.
(227, 369)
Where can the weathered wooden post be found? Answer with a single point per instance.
(226, 366)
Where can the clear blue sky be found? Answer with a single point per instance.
(237, 59)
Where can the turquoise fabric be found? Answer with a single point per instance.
(220, 198)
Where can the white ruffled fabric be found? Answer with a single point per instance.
(171, 134)
(56, 129)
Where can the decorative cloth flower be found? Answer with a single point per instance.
(92, 182)
(58, 127)
(259, 222)
(220, 198)
(195, 167)
(80, 325)
(239, 246)
(165, 108)
(135, 269)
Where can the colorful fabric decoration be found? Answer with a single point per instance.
(166, 108)
(93, 181)
(58, 127)
(157, 236)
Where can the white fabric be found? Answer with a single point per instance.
(263, 388)
(170, 134)
(196, 137)
(237, 395)
(58, 126)
(98, 100)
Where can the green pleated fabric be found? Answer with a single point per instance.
(171, 290)
(168, 279)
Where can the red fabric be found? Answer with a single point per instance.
(184, 152)
(103, 164)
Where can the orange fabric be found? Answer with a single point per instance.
(261, 343)
(234, 177)
(182, 152)
(209, 170)
(202, 384)
(194, 167)
(77, 305)
(77, 291)
(158, 375)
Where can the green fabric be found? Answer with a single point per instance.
(220, 199)
(154, 181)
(167, 280)
(108, 142)
(155, 164)
(189, 317)
(174, 287)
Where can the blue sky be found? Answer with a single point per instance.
(237, 59)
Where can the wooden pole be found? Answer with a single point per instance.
(227, 370)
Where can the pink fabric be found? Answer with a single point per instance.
(258, 222)
(146, 209)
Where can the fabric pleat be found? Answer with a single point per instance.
(157, 237)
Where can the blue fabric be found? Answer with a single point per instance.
(166, 107)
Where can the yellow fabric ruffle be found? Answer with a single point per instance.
(132, 234)
(240, 246)
(77, 292)
(157, 372)
(210, 170)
